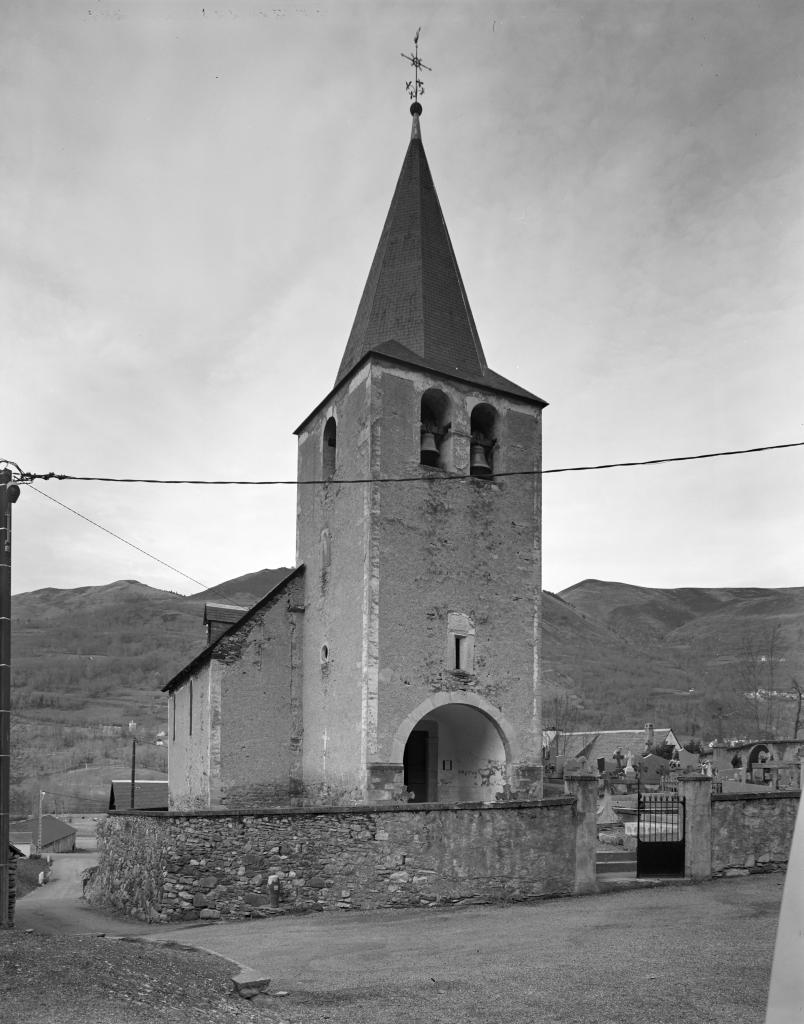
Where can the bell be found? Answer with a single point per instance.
(478, 463)
(429, 449)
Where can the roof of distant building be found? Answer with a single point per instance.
(223, 612)
(149, 795)
(606, 743)
(53, 829)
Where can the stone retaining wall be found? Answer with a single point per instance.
(168, 866)
(752, 832)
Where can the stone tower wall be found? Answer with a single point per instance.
(337, 599)
(466, 547)
(403, 558)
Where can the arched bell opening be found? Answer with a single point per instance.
(483, 426)
(455, 754)
(435, 445)
(329, 449)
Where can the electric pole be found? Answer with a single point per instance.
(9, 492)
(39, 841)
(133, 769)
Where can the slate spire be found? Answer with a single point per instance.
(414, 296)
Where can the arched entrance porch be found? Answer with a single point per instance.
(454, 749)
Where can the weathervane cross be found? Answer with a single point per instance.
(415, 86)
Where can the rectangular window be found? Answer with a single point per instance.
(460, 653)
(463, 653)
(191, 707)
(458, 644)
(173, 714)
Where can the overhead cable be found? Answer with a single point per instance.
(25, 477)
(28, 477)
(117, 536)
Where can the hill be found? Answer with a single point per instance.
(686, 656)
(89, 665)
(88, 668)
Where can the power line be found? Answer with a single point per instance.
(131, 544)
(26, 477)
(117, 536)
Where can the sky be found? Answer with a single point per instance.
(191, 197)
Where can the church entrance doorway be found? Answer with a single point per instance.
(419, 761)
(455, 754)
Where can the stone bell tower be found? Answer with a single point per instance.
(419, 526)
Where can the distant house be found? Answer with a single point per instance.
(149, 795)
(607, 748)
(57, 835)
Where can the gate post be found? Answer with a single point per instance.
(584, 788)
(696, 792)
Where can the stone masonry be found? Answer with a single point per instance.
(168, 867)
(752, 832)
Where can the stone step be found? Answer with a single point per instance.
(616, 862)
(616, 869)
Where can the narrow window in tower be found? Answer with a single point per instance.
(435, 440)
(330, 445)
(483, 426)
(464, 654)
(191, 707)
(173, 715)
(460, 643)
(460, 654)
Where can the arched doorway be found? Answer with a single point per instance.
(456, 754)
(755, 756)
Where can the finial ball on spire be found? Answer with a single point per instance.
(416, 108)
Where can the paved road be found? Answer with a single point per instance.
(57, 908)
(657, 938)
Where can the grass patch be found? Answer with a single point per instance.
(28, 869)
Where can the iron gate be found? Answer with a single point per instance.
(660, 835)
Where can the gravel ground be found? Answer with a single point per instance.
(79, 979)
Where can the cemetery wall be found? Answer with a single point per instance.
(752, 832)
(169, 866)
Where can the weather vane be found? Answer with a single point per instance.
(415, 87)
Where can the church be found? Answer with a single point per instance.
(399, 660)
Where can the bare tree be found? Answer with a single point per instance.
(758, 666)
(560, 713)
(797, 723)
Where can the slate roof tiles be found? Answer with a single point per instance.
(414, 301)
